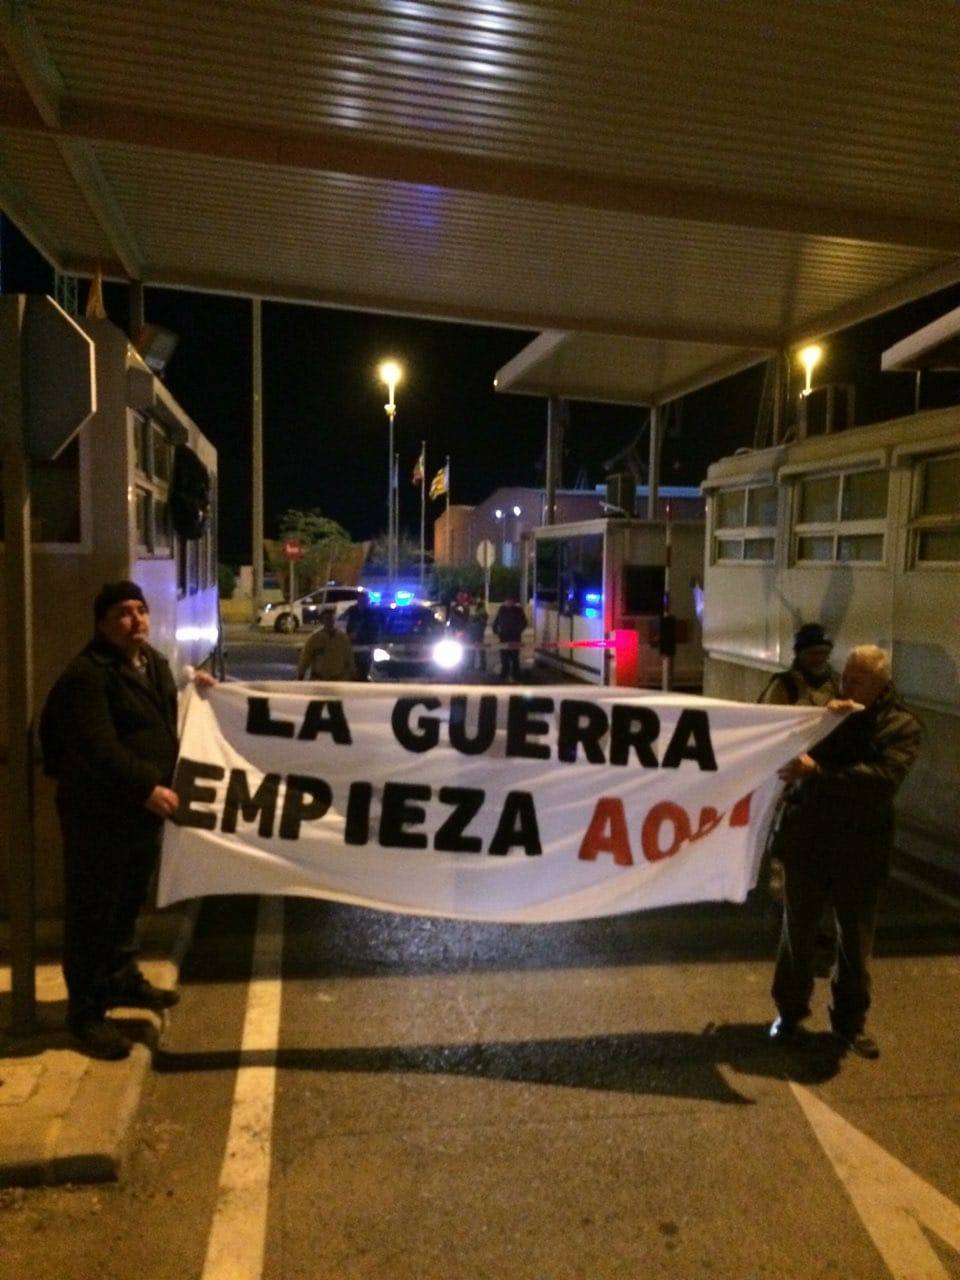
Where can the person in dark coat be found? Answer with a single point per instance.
(478, 631)
(362, 625)
(109, 736)
(836, 843)
(509, 626)
(810, 681)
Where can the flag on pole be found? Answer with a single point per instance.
(418, 469)
(441, 482)
(95, 309)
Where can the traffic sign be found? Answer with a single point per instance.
(485, 554)
(292, 549)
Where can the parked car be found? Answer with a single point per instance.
(413, 643)
(305, 612)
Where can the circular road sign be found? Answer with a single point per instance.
(292, 549)
(485, 554)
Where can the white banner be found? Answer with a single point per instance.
(549, 803)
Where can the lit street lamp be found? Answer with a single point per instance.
(390, 374)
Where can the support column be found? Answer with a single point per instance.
(779, 396)
(653, 465)
(18, 602)
(257, 456)
(557, 417)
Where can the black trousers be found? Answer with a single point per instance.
(829, 861)
(108, 864)
(510, 661)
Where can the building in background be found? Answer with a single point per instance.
(521, 510)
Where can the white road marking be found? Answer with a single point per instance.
(238, 1232)
(892, 1201)
(948, 899)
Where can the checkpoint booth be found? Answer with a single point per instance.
(600, 591)
(131, 495)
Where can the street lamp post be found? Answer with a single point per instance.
(390, 374)
(517, 512)
(500, 518)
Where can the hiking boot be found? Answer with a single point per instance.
(100, 1038)
(138, 992)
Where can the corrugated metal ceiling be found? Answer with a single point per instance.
(696, 181)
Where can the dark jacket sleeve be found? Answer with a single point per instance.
(93, 745)
(896, 744)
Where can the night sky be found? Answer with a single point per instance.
(325, 430)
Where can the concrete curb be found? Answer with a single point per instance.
(68, 1118)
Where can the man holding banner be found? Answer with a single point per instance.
(836, 840)
(109, 736)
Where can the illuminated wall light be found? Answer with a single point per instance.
(810, 357)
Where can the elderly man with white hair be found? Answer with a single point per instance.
(836, 843)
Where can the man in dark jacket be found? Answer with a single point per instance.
(509, 626)
(836, 842)
(109, 736)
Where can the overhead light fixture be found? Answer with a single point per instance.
(810, 357)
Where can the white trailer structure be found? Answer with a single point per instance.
(132, 496)
(592, 578)
(860, 531)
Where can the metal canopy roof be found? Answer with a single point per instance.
(674, 188)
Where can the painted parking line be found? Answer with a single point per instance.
(238, 1232)
(894, 1203)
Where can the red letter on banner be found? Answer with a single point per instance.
(607, 833)
(740, 813)
(663, 812)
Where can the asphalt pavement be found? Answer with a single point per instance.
(569, 1102)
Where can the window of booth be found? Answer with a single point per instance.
(547, 572)
(935, 527)
(144, 518)
(152, 458)
(841, 518)
(745, 525)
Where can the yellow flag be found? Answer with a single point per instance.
(95, 308)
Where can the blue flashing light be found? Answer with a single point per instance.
(591, 613)
(374, 596)
(404, 597)
(593, 597)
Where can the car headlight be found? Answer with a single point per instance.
(381, 655)
(267, 607)
(448, 654)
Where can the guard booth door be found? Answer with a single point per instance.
(641, 594)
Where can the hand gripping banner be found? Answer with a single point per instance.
(527, 805)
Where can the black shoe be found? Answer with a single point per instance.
(783, 1031)
(100, 1038)
(139, 992)
(860, 1043)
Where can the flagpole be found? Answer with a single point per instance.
(423, 512)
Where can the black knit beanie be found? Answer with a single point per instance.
(112, 593)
